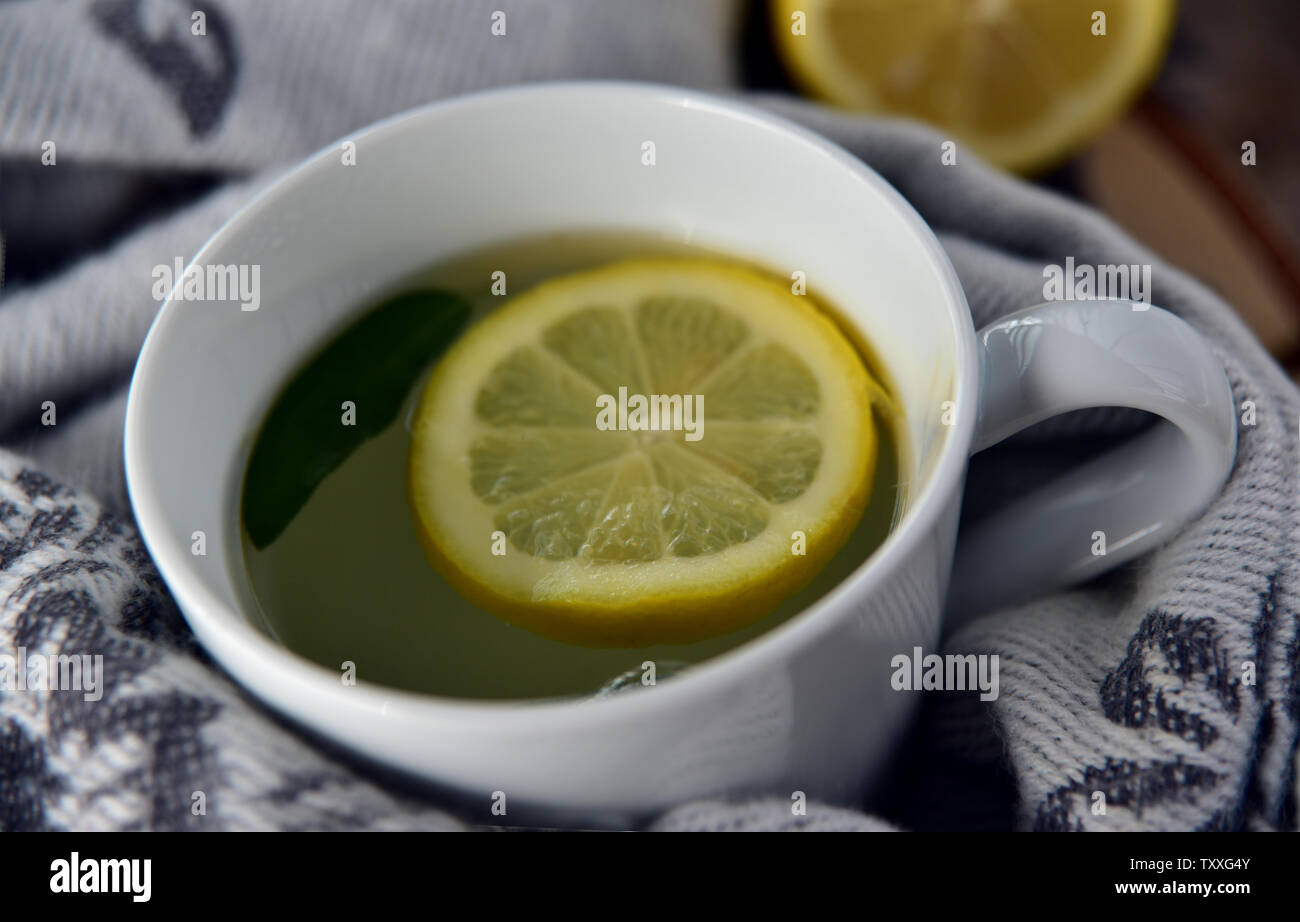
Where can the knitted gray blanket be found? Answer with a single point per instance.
(1167, 692)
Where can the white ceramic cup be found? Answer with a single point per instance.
(807, 706)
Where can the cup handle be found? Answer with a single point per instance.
(1069, 355)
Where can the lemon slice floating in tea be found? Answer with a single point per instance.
(1024, 82)
(542, 496)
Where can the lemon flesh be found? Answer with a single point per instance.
(1023, 82)
(545, 513)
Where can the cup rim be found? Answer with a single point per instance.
(261, 663)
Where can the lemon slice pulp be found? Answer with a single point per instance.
(1022, 81)
(542, 494)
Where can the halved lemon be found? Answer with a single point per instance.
(1022, 81)
(545, 497)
